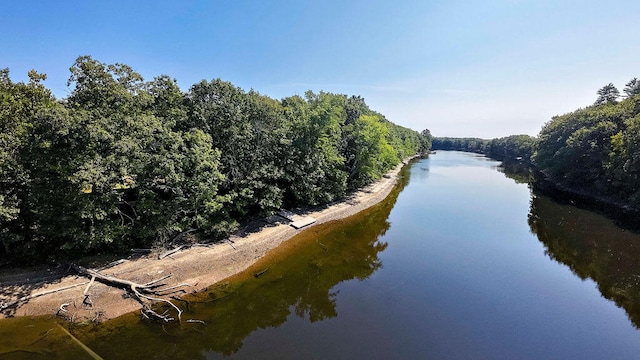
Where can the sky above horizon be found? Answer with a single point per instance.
(458, 68)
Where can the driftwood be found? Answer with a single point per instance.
(4, 306)
(258, 274)
(145, 293)
(170, 252)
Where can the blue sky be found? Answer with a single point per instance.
(460, 68)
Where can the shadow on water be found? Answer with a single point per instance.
(298, 280)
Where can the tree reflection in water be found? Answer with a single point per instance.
(592, 246)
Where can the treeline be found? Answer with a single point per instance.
(596, 150)
(476, 145)
(123, 162)
(509, 148)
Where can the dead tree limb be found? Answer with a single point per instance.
(173, 289)
(86, 290)
(140, 292)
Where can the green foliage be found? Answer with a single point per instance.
(460, 144)
(86, 178)
(514, 147)
(426, 141)
(315, 171)
(123, 163)
(373, 154)
(106, 89)
(608, 94)
(246, 128)
(510, 148)
(22, 108)
(595, 150)
(632, 88)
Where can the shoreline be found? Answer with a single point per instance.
(200, 267)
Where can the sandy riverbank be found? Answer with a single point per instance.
(198, 266)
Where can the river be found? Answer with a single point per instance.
(460, 262)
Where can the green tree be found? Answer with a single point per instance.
(85, 177)
(315, 167)
(426, 140)
(168, 101)
(109, 89)
(247, 129)
(608, 94)
(632, 88)
(510, 148)
(134, 178)
(24, 108)
(374, 156)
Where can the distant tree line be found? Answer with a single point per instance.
(476, 145)
(123, 162)
(509, 148)
(594, 151)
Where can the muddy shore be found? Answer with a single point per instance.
(197, 266)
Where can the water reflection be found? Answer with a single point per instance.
(592, 246)
(516, 171)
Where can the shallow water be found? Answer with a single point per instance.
(459, 262)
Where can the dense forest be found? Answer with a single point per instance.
(594, 151)
(123, 162)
